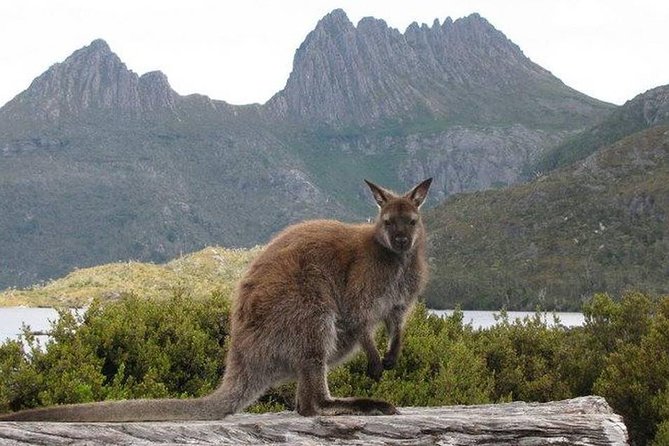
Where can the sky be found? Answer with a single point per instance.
(241, 51)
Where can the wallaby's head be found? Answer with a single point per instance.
(399, 225)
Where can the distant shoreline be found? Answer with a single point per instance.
(12, 318)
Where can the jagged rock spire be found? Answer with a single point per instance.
(94, 78)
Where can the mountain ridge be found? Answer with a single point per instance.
(643, 111)
(93, 77)
(595, 226)
(442, 59)
(100, 164)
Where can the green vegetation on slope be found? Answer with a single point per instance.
(135, 347)
(644, 111)
(599, 226)
(213, 269)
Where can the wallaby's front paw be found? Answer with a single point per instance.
(389, 362)
(374, 370)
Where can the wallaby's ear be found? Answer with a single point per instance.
(380, 194)
(419, 193)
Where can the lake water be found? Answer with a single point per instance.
(486, 319)
(11, 319)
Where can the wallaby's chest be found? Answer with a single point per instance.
(372, 300)
(400, 288)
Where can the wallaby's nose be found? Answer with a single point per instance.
(401, 239)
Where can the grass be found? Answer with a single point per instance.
(213, 269)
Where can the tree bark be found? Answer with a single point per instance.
(580, 421)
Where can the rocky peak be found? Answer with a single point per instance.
(342, 73)
(369, 73)
(470, 51)
(334, 23)
(96, 47)
(156, 92)
(331, 31)
(92, 78)
(371, 25)
(652, 107)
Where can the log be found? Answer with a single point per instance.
(579, 421)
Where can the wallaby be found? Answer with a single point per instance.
(318, 291)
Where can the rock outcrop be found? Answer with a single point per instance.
(92, 78)
(463, 70)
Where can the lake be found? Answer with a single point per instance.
(11, 319)
(486, 319)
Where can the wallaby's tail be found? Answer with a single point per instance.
(241, 386)
(127, 410)
(237, 391)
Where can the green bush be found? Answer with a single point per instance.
(526, 360)
(130, 348)
(635, 377)
(438, 366)
(134, 347)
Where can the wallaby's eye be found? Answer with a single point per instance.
(412, 222)
(386, 222)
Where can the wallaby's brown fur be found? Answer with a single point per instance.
(317, 291)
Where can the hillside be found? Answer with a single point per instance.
(645, 110)
(213, 269)
(600, 225)
(100, 164)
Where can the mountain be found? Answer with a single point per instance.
(459, 71)
(598, 225)
(93, 78)
(645, 110)
(99, 164)
(456, 101)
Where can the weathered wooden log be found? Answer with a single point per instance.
(580, 421)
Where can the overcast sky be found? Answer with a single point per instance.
(241, 51)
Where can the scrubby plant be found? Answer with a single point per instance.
(129, 348)
(635, 377)
(175, 346)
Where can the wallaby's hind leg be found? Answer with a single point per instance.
(313, 396)
(312, 389)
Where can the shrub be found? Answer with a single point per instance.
(130, 348)
(133, 347)
(635, 378)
